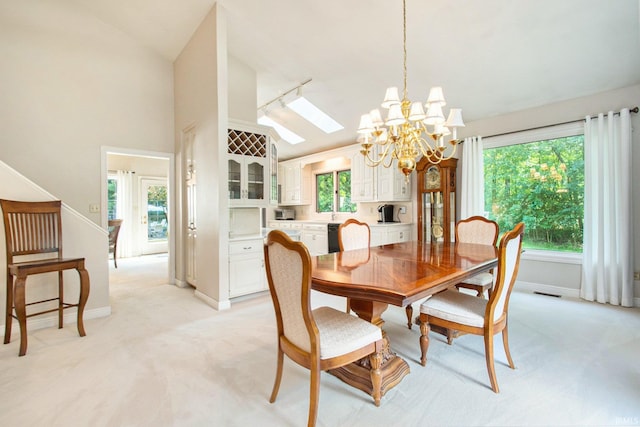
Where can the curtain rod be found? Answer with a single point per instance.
(631, 110)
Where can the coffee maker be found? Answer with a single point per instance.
(385, 213)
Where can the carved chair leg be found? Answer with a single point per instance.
(61, 300)
(409, 311)
(8, 320)
(314, 396)
(488, 349)
(424, 338)
(21, 312)
(505, 342)
(375, 359)
(276, 384)
(82, 301)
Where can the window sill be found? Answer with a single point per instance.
(552, 256)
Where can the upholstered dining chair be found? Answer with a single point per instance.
(477, 229)
(353, 234)
(33, 239)
(318, 339)
(467, 313)
(114, 231)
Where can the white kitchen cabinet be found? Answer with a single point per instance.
(392, 186)
(249, 149)
(246, 267)
(387, 234)
(315, 238)
(377, 184)
(247, 180)
(295, 184)
(362, 180)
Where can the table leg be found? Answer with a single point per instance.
(393, 367)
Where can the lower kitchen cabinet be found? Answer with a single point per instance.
(315, 238)
(387, 234)
(246, 267)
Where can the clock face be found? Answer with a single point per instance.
(432, 178)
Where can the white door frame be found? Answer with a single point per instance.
(171, 194)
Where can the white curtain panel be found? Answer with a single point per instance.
(124, 211)
(607, 275)
(472, 178)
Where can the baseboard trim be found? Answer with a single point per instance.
(218, 305)
(70, 316)
(546, 289)
(180, 283)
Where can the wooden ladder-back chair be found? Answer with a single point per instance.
(467, 313)
(353, 234)
(319, 339)
(477, 229)
(33, 230)
(114, 231)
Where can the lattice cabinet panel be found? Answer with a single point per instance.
(246, 143)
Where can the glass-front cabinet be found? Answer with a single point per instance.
(436, 200)
(249, 182)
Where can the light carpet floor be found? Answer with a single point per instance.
(164, 358)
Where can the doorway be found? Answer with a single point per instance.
(137, 186)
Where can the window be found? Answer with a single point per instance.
(112, 187)
(334, 189)
(539, 182)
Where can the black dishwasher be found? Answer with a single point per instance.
(332, 230)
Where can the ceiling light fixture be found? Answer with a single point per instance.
(405, 135)
(304, 108)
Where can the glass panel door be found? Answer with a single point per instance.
(255, 181)
(154, 216)
(235, 181)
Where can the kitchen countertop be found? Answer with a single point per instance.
(316, 221)
(261, 235)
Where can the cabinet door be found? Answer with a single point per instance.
(235, 179)
(292, 183)
(246, 274)
(362, 179)
(256, 179)
(273, 175)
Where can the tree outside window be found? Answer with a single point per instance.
(540, 183)
(334, 189)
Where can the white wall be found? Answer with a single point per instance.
(201, 102)
(243, 91)
(561, 277)
(69, 88)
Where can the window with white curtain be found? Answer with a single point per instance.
(537, 177)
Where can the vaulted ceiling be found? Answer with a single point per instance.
(490, 56)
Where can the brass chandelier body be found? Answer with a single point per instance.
(405, 135)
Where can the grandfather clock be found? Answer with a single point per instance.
(436, 200)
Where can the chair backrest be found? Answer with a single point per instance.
(288, 266)
(509, 252)
(32, 228)
(477, 229)
(353, 234)
(114, 230)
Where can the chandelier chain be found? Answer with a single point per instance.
(404, 44)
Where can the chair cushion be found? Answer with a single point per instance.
(342, 333)
(482, 279)
(456, 307)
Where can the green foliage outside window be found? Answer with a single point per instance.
(112, 186)
(541, 184)
(326, 192)
(344, 192)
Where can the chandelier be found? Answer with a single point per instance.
(408, 131)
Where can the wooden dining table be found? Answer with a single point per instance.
(398, 274)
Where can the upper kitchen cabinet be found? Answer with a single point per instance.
(295, 184)
(248, 157)
(377, 184)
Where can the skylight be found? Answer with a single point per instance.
(289, 136)
(314, 115)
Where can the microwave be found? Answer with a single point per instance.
(285, 214)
